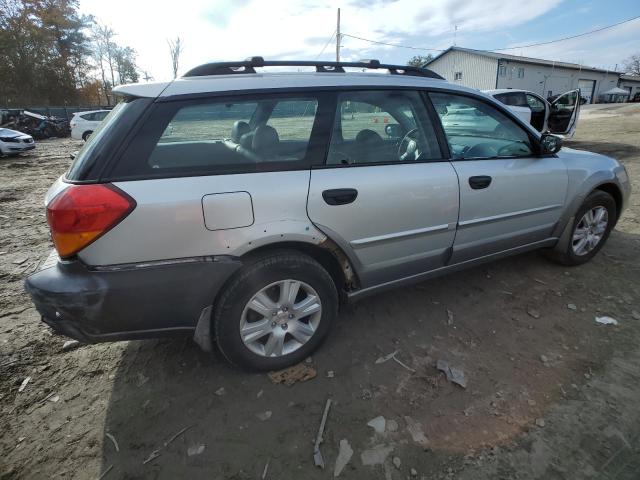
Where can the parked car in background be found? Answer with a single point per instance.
(558, 116)
(13, 142)
(83, 124)
(244, 206)
(635, 98)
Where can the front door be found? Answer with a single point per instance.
(563, 116)
(385, 195)
(509, 196)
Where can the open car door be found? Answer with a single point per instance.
(563, 116)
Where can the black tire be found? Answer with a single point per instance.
(86, 135)
(597, 198)
(258, 273)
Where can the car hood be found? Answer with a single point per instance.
(8, 133)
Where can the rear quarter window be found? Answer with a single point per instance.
(106, 140)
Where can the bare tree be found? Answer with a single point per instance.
(175, 49)
(632, 64)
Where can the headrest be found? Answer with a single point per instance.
(265, 139)
(368, 136)
(239, 129)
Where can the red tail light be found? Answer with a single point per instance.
(80, 214)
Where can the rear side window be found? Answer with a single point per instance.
(225, 135)
(381, 127)
(87, 116)
(515, 99)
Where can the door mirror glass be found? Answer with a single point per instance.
(550, 143)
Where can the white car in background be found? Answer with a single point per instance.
(13, 142)
(558, 117)
(84, 123)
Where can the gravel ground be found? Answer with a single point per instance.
(550, 394)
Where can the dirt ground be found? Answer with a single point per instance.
(551, 394)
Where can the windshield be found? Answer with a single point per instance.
(89, 153)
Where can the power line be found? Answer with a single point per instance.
(325, 45)
(496, 49)
(391, 44)
(569, 38)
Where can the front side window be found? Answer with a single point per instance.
(235, 134)
(476, 129)
(380, 127)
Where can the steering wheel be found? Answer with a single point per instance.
(408, 146)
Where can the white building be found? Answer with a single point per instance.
(631, 83)
(490, 70)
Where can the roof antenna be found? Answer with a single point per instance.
(455, 34)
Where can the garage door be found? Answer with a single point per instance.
(586, 89)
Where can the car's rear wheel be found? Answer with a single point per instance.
(591, 227)
(275, 311)
(86, 135)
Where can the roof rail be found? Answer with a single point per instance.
(250, 64)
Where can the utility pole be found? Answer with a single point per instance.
(338, 38)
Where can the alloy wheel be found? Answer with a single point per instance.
(590, 230)
(280, 318)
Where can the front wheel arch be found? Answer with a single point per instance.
(613, 190)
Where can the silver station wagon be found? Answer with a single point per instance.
(242, 205)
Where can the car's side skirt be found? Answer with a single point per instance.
(420, 277)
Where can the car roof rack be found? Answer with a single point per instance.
(250, 64)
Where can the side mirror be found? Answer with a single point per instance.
(550, 143)
(393, 130)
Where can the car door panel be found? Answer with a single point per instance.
(564, 112)
(402, 221)
(521, 205)
(509, 196)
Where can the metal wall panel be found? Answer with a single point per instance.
(477, 71)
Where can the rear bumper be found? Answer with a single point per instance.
(125, 302)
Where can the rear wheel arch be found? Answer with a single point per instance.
(327, 254)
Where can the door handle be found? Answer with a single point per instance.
(340, 196)
(481, 181)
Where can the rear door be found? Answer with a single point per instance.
(563, 116)
(386, 195)
(509, 196)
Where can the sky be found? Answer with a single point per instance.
(216, 30)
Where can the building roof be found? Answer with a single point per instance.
(630, 78)
(516, 58)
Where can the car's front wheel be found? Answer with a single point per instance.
(275, 311)
(591, 227)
